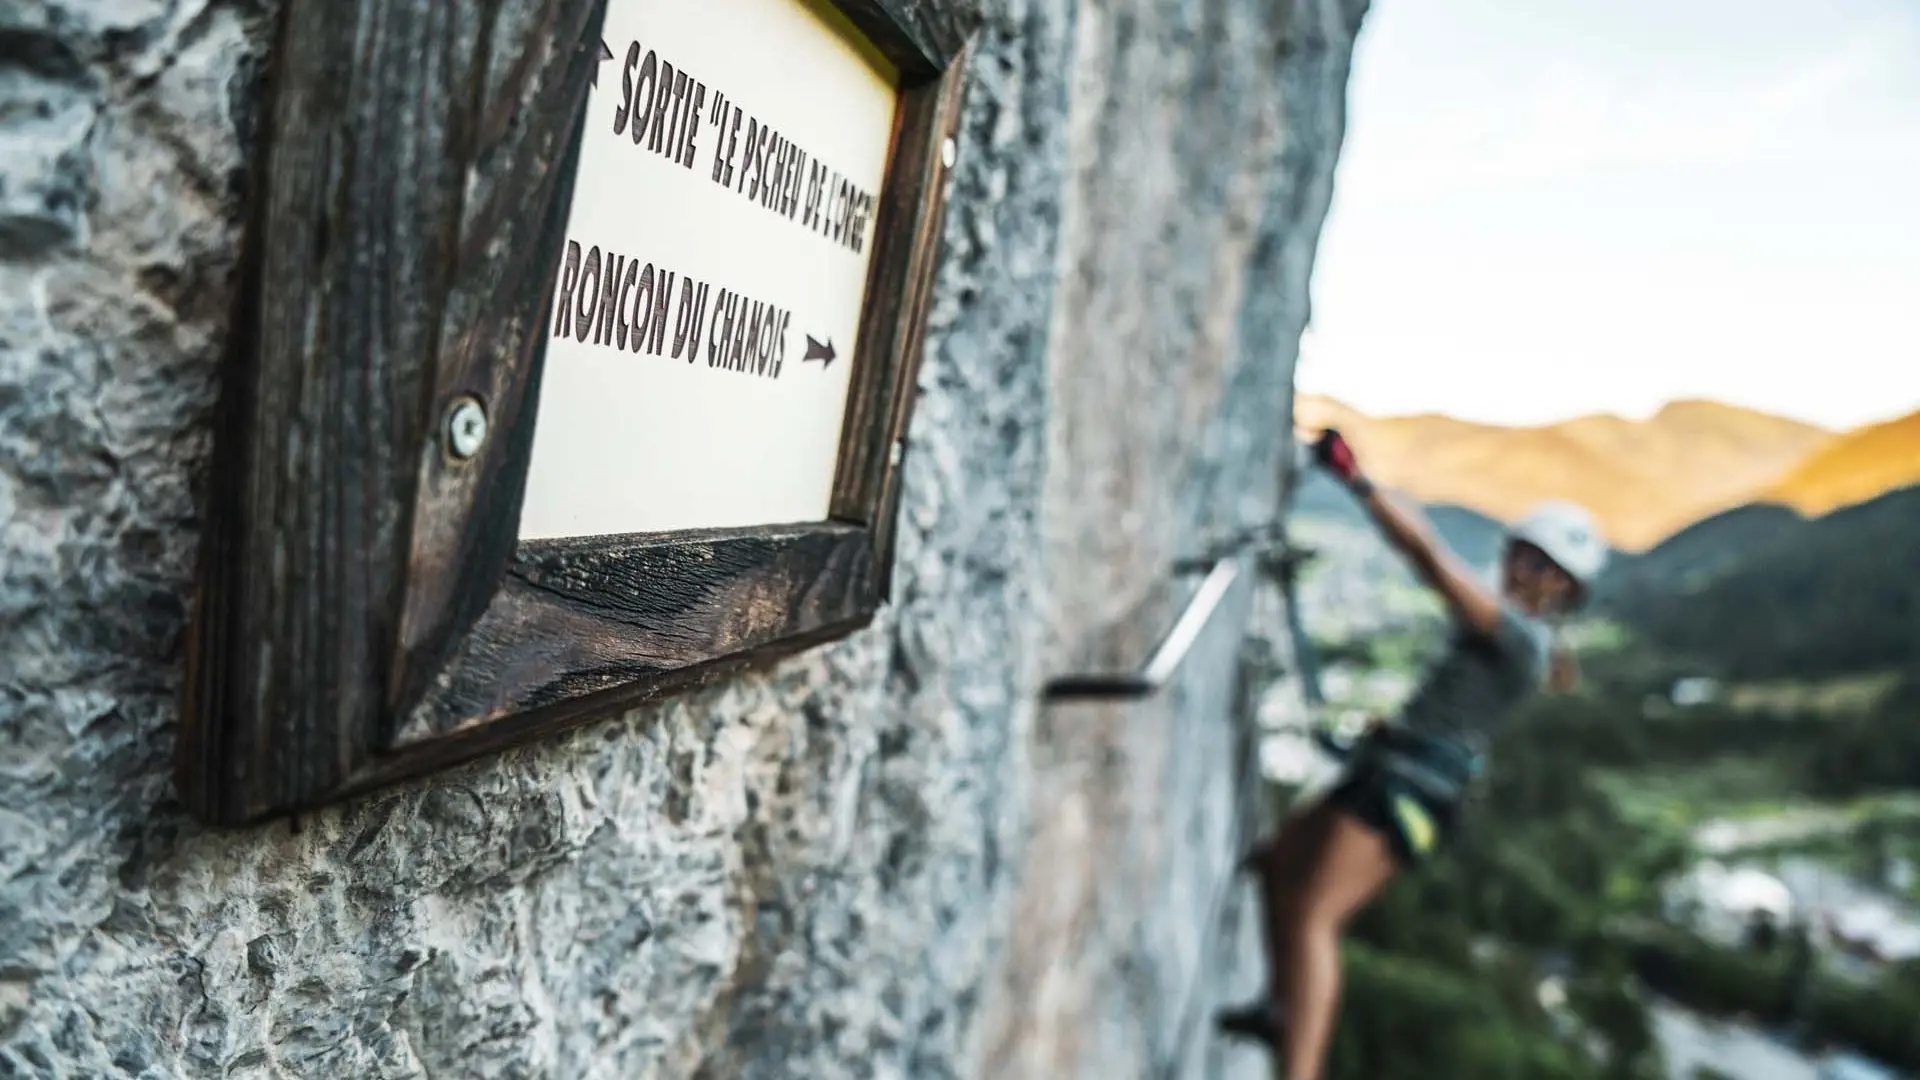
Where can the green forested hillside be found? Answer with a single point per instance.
(1592, 802)
(1588, 807)
(1752, 594)
(1696, 554)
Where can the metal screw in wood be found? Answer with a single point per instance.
(466, 428)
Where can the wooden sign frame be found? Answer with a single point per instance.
(365, 611)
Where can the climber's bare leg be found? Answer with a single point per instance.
(1354, 863)
(1281, 869)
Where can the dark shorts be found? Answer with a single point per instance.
(1414, 820)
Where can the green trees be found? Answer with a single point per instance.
(1811, 598)
(1412, 1019)
(1448, 965)
(1590, 801)
(1875, 1017)
(1547, 874)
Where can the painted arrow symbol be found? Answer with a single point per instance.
(606, 54)
(817, 351)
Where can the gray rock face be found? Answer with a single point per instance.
(882, 859)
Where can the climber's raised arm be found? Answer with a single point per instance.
(1472, 602)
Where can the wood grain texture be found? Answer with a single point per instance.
(893, 333)
(384, 153)
(525, 124)
(365, 610)
(581, 618)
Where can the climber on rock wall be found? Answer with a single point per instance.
(1405, 779)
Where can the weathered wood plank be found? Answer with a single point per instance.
(922, 267)
(409, 759)
(373, 143)
(521, 141)
(584, 617)
(906, 256)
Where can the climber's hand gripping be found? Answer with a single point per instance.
(1332, 452)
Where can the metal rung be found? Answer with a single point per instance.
(1166, 659)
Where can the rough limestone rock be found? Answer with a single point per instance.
(882, 859)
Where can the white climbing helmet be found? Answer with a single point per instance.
(1568, 535)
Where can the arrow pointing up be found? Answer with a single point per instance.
(817, 351)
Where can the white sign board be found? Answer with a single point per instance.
(704, 319)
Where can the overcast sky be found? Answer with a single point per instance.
(1568, 206)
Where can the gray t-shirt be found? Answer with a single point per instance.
(1481, 680)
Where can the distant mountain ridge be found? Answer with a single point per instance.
(1796, 560)
(1854, 468)
(1644, 479)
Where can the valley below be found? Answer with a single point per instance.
(1748, 719)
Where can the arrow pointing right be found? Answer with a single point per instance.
(817, 351)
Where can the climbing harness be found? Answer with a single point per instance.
(1436, 768)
